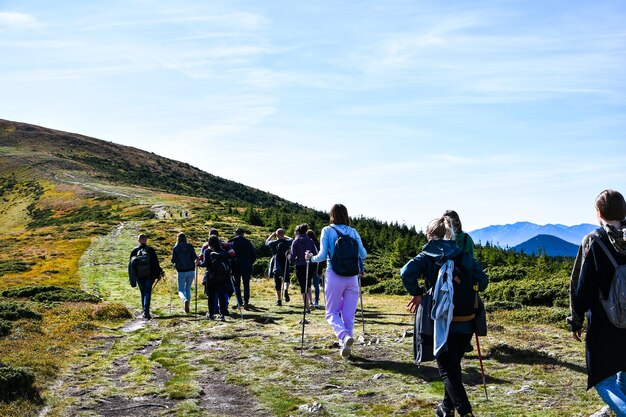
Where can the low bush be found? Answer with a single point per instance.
(16, 382)
(66, 295)
(9, 266)
(51, 293)
(5, 327)
(529, 292)
(111, 311)
(11, 310)
(390, 286)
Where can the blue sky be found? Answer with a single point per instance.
(503, 110)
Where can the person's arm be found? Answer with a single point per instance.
(323, 252)
(479, 275)
(470, 245)
(174, 255)
(362, 251)
(587, 289)
(270, 238)
(575, 320)
(410, 273)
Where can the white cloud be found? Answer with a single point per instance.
(12, 20)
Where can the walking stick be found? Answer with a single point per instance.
(196, 309)
(306, 289)
(361, 296)
(282, 281)
(482, 371)
(171, 295)
(232, 281)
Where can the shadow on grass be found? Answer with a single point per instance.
(508, 354)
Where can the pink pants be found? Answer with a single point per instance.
(342, 298)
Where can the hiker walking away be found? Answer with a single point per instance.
(226, 247)
(216, 279)
(463, 240)
(599, 271)
(341, 247)
(454, 324)
(299, 247)
(317, 270)
(185, 259)
(242, 266)
(145, 263)
(279, 268)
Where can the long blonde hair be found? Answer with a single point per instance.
(440, 229)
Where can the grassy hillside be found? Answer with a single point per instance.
(71, 342)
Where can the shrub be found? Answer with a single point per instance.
(66, 295)
(529, 292)
(11, 310)
(47, 293)
(16, 382)
(5, 327)
(390, 286)
(111, 311)
(8, 266)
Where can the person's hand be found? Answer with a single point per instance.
(308, 255)
(413, 303)
(576, 335)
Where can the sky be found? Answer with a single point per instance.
(505, 110)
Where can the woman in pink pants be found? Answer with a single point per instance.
(342, 291)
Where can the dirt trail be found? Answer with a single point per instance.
(133, 369)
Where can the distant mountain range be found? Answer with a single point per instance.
(511, 235)
(548, 244)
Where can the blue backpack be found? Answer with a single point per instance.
(345, 259)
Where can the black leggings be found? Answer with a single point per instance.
(449, 363)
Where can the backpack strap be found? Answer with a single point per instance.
(465, 242)
(338, 232)
(608, 253)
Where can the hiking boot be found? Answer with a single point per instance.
(287, 296)
(444, 412)
(307, 311)
(469, 347)
(186, 306)
(210, 316)
(316, 305)
(146, 316)
(221, 318)
(279, 303)
(346, 346)
(247, 307)
(226, 313)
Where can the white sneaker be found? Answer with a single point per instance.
(346, 346)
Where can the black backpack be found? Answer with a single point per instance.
(281, 249)
(345, 259)
(141, 264)
(219, 270)
(465, 294)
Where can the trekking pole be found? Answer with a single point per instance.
(196, 309)
(282, 281)
(171, 295)
(232, 281)
(482, 371)
(361, 296)
(306, 289)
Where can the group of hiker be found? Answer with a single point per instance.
(447, 302)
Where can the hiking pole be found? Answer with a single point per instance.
(306, 289)
(482, 371)
(196, 309)
(282, 281)
(171, 295)
(361, 296)
(232, 281)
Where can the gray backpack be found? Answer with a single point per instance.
(615, 304)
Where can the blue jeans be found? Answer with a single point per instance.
(316, 285)
(145, 288)
(613, 392)
(185, 279)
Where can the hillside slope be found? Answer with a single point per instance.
(53, 151)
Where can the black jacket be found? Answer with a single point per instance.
(246, 255)
(155, 268)
(605, 344)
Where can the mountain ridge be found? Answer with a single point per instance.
(547, 244)
(510, 235)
